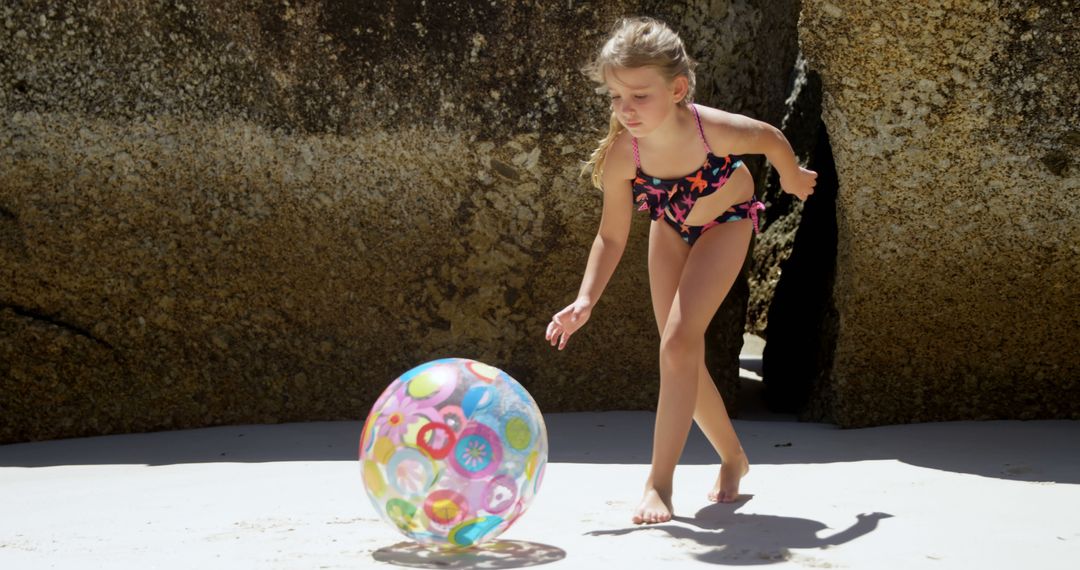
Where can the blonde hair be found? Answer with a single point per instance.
(636, 42)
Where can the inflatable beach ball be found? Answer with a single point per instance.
(453, 452)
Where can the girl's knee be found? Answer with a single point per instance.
(680, 346)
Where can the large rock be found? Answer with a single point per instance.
(954, 126)
(215, 214)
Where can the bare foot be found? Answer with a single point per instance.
(655, 507)
(726, 489)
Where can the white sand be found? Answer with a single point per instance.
(944, 496)
(955, 495)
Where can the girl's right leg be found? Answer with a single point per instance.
(667, 256)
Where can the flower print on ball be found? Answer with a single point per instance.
(450, 451)
(478, 452)
(397, 414)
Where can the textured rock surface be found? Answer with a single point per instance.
(257, 212)
(954, 127)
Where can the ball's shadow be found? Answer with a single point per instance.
(497, 554)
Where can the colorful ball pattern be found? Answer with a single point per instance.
(453, 452)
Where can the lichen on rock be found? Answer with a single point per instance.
(956, 235)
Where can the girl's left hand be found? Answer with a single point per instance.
(801, 184)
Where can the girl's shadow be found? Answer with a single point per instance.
(753, 539)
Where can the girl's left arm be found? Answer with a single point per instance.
(744, 135)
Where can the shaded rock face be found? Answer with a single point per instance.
(258, 212)
(954, 127)
(801, 312)
(784, 213)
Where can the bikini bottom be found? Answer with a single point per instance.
(748, 209)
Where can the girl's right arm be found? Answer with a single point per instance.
(607, 248)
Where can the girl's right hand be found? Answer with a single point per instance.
(567, 321)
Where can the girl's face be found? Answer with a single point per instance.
(641, 98)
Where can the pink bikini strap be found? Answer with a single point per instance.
(637, 157)
(701, 130)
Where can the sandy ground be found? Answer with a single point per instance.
(951, 495)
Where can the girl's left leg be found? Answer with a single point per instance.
(708, 274)
(712, 417)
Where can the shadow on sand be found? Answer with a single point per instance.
(1043, 451)
(498, 554)
(742, 540)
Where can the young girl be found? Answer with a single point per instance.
(676, 161)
